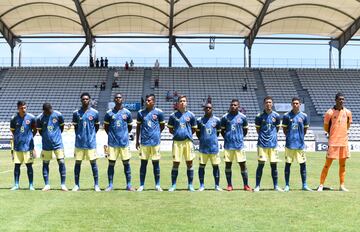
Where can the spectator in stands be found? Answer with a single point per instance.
(97, 62)
(101, 62)
(131, 64)
(175, 96)
(244, 86)
(157, 82)
(142, 102)
(91, 62)
(337, 122)
(94, 103)
(203, 102)
(106, 62)
(242, 110)
(103, 86)
(114, 85)
(168, 96)
(126, 65)
(116, 74)
(209, 99)
(157, 64)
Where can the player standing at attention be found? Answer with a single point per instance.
(86, 123)
(267, 125)
(234, 127)
(208, 131)
(118, 124)
(182, 125)
(150, 124)
(50, 125)
(337, 122)
(295, 124)
(23, 128)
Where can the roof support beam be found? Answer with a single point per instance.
(255, 29)
(85, 25)
(78, 54)
(342, 40)
(182, 54)
(171, 27)
(10, 38)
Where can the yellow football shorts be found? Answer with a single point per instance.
(267, 154)
(214, 158)
(119, 153)
(231, 155)
(26, 157)
(48, 155)
(85, 154)
(182, 149)
(150, 152)
(294, 154)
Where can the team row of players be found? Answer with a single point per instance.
(233, 126)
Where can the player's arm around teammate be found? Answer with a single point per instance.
(86, 123)
(50, 125)
(182, 125)
(234, 127)
(150, 123)
(207, 132)
(337, 122)
(295, 124)
(23, 128)
(267, 125)
(118, 124)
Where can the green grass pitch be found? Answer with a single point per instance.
(182, 210)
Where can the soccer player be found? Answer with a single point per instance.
(23, 128)
(234, 127)
(150, 124)
(182, 125)
(295, 124)
(86, 123)
(337, 122)
(118, 124)
(50, 125)
(208, 131)
(267, 125)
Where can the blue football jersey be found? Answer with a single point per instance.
(182, 123)
(150, 126)
(295, 124)
(268, 124)
(22, 129)
(85, 132)
(49, 125)
(208, 128)
(118, 122)
(233, 124)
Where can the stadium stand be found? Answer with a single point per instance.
(130, 84)
(60, 86)
(222, 84)
(279, 85)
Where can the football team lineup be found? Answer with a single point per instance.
(182, 124)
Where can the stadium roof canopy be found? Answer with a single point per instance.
(338, 20)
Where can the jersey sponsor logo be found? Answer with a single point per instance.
(91, 118)
(27, 122)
